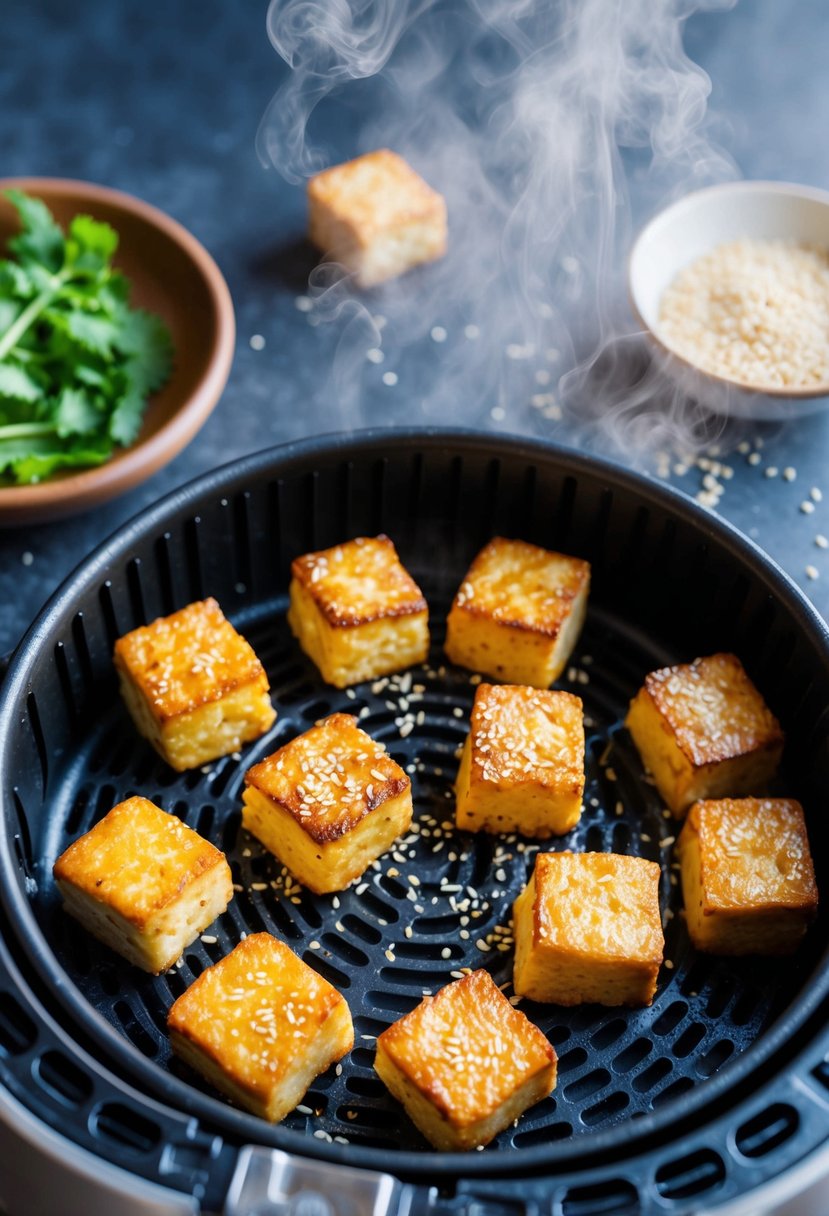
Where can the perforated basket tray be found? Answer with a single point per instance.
(713, 1088)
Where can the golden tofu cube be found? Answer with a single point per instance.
(358, 614)
(747, 875)
(522, 765)
(518, 613)
(144, 883)
(328, 803)
(465, 1063)
(704, 731)
(193, 685)
(376, 217)
(587, 928)
(260, 1025)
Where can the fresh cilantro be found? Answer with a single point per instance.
(77, 364)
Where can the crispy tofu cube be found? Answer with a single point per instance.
(358, 614)
(704, 731)
(465, 1064)
(587, 928)
(518, 613)
(260, 1025)
(144, 883)
(376, 216)
(193, 685)
(328, 803)
(747, 875)
(522, 765)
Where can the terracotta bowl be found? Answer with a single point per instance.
(172, 275)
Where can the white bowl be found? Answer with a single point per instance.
(694, 226)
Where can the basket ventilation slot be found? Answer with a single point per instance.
(616, 1197)
(17, 1031)
(61, 1078)
(691, 1175)
(120, 1125)
(767, 1130)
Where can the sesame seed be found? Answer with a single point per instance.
(812, 572)
(27, 558)
(314, 945)
(438, 333)
(390, 378)
(257, 342)
(303, 303)
(755, 459)
(807, 507)
(471, 332)
(815, 494)
(789, 473)
(375, 355)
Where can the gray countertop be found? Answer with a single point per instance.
(164, 101)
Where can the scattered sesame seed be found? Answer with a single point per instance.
(27, 558)
(209, 939)
(669, 964)
(821, 541)
(498, 413)
(257, 342)
(314, 945)
(789, 473)
(812, 572)
(815, 494)
(375, 355)
(770, 471)
(755, 459)
(446, 952)
(303, 303)
(390, 378)
(807, 507)
(438, 333)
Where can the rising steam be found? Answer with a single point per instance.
(551, 130)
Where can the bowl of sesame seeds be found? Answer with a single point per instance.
(731, 284)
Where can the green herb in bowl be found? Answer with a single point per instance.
(77, 364)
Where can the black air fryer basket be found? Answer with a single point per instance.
(721, 1085)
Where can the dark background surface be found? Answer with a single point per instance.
(164, 101)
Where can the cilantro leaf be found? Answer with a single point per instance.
(76, 413)
(33, 460)
(16, 383)
(41, 240)
(94, 333)
(146, 338)
(125, 420)
(15, 282)
(91, 244)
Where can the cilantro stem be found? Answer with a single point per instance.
(26, 430)
(29, 314)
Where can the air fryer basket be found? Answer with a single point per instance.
(720, 1085)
